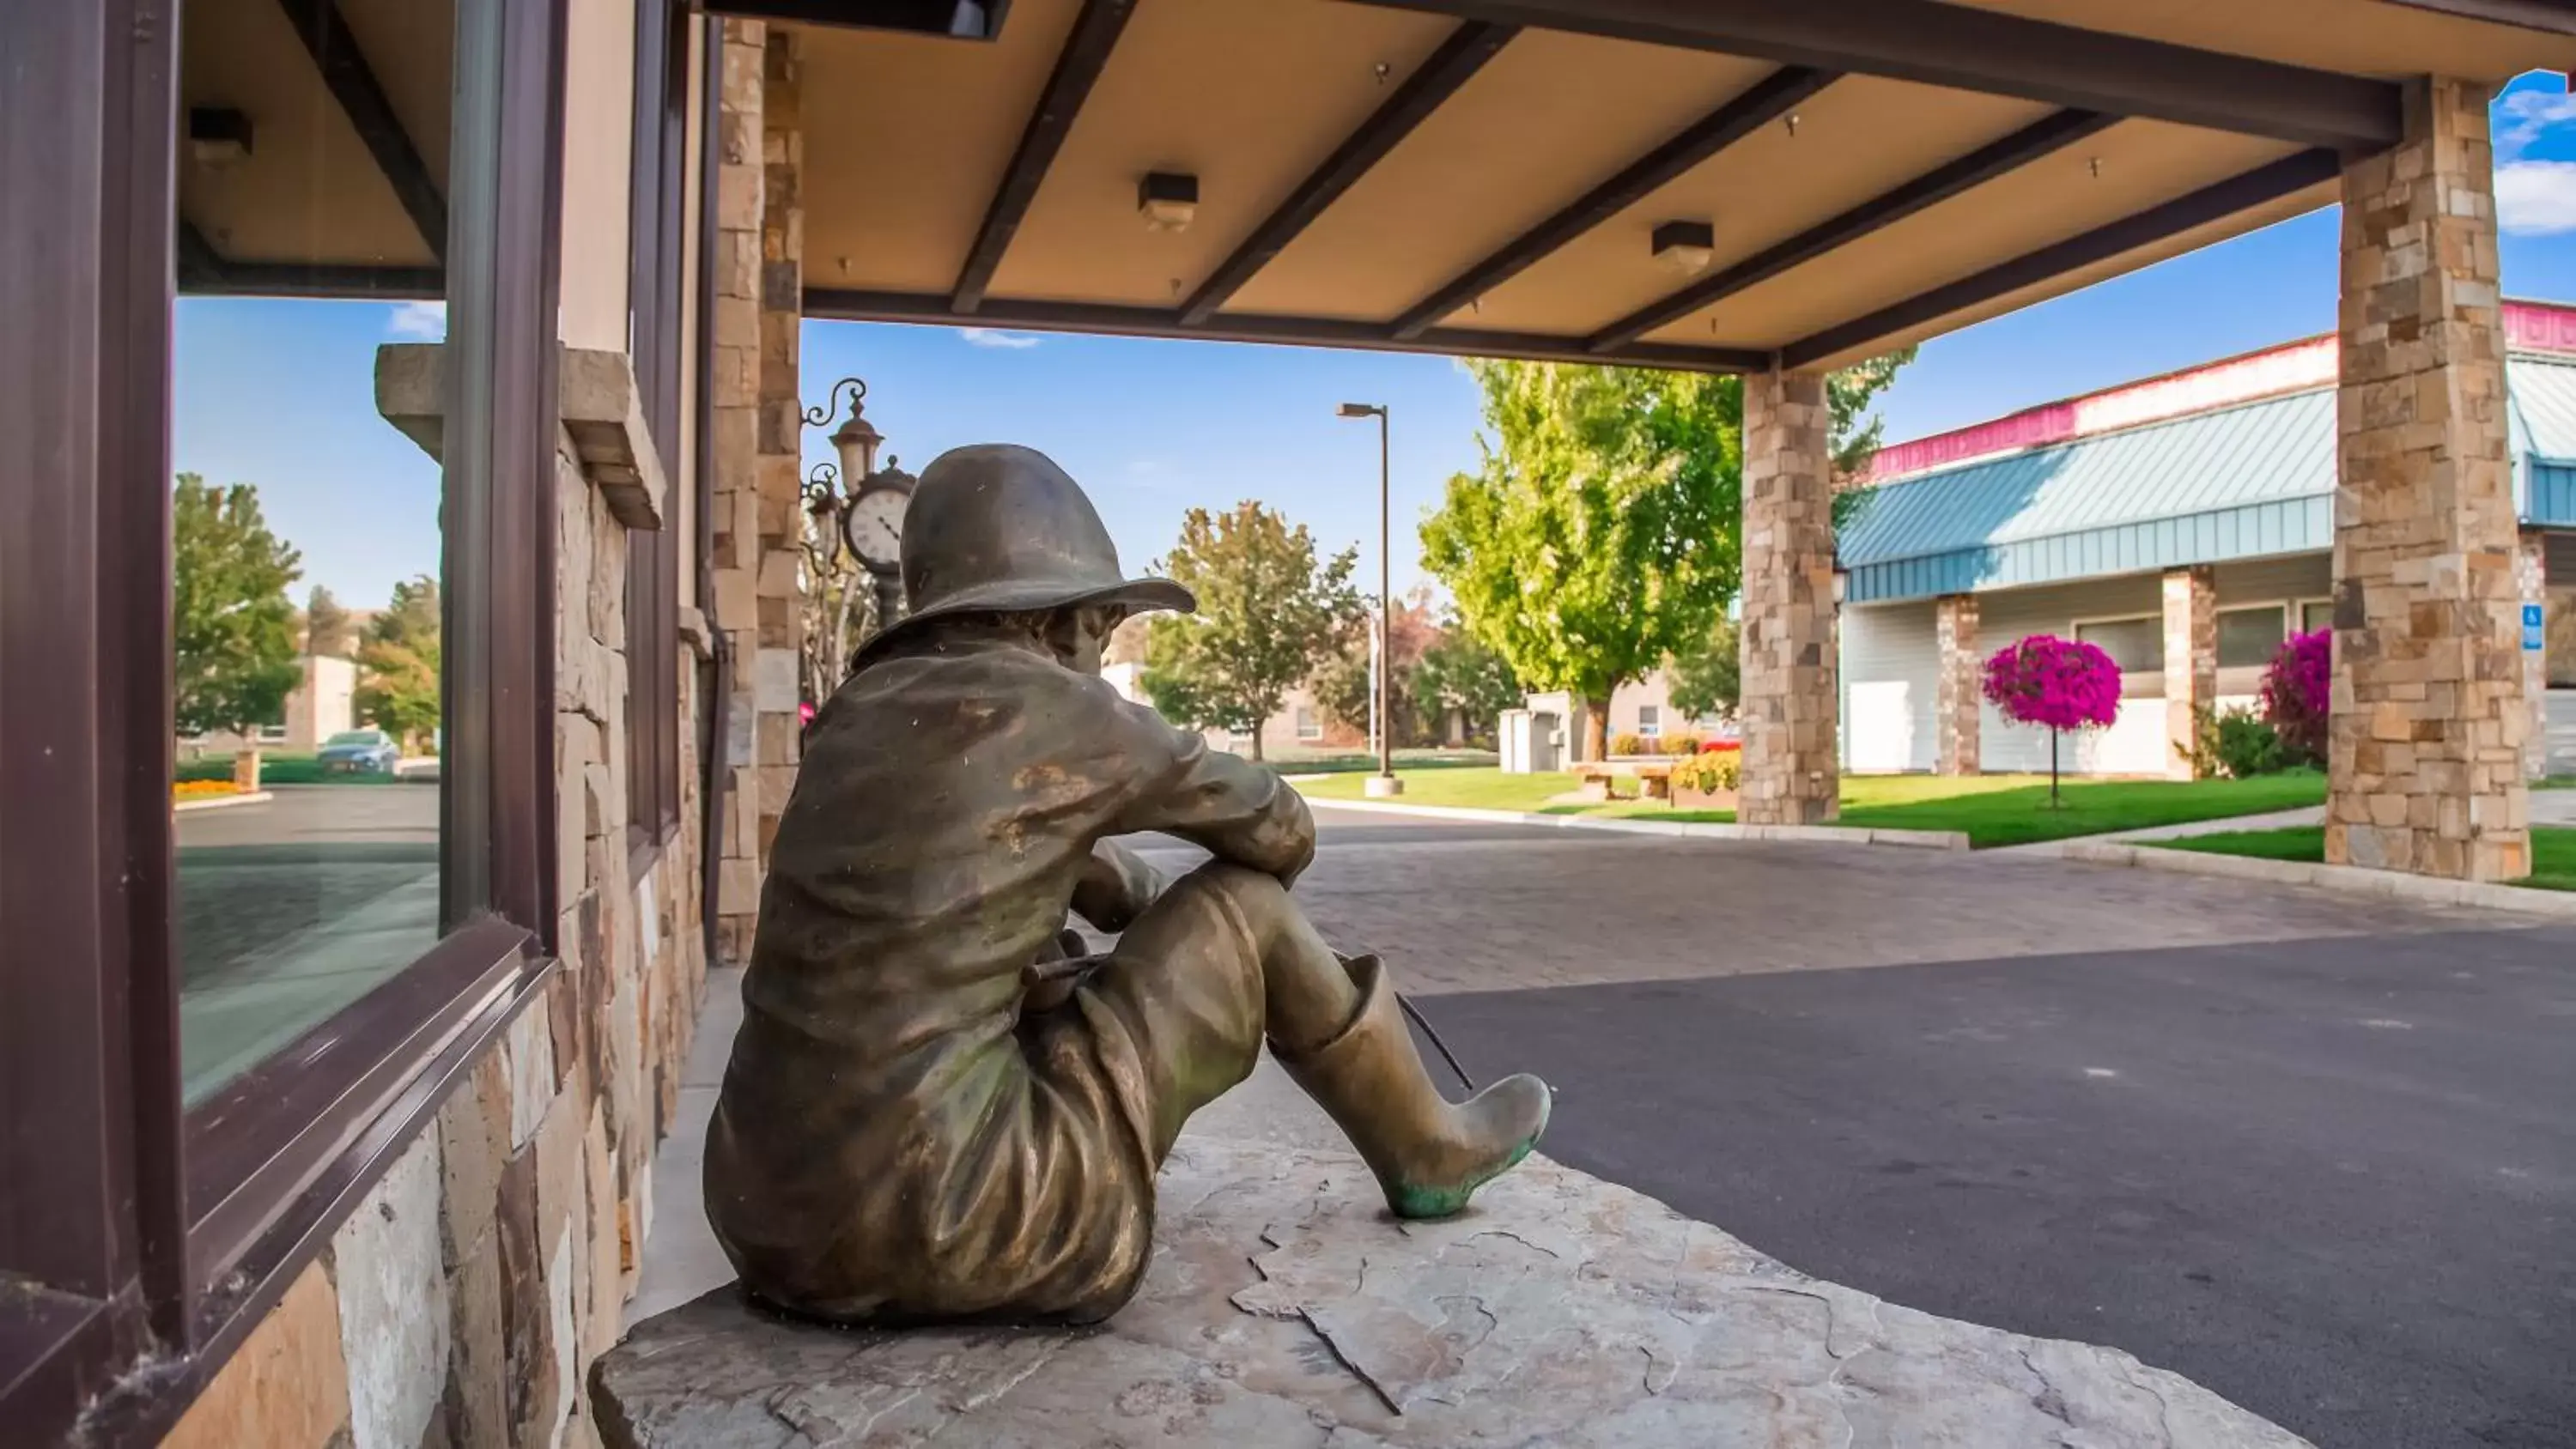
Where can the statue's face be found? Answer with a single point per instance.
(1081, 635)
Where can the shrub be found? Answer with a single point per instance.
(1625, 744)
(2058, 684)
(2298, 690)
(1710, 771)
(2238, 744)
(1684, 744)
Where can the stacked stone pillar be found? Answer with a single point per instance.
(2431, 715)
(2531, 580)
(2191, 663)
(1961, 694)
(758, 310)
(1791, 772)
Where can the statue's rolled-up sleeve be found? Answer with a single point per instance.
(1237, 811)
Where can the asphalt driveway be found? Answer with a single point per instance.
(2315, 1152)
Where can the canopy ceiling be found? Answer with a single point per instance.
(1463, 176)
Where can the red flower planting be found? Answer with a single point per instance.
(2061, 684)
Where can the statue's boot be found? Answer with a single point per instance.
(1429, 1153)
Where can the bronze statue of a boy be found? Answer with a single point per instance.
(932, 1116)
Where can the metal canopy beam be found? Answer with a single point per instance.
(842, 305)
(334, 47)
(2157, 223)
(1984, 164)
(1963, 48)
(202, 272)
(1086, 50)
(1450, 67)
(1763, 102)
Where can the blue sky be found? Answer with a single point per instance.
(280, 393)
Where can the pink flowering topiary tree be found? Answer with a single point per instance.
(2057, 684)
(2298, 689)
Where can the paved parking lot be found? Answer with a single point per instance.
(2312, 1151)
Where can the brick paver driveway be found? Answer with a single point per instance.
(2311, 1150)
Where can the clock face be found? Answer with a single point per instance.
(876, 526)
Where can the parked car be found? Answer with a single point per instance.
(358, 752)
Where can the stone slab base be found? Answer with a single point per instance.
(1285, 1308)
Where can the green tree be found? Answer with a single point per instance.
(1341, 686)
(1603, 531)
(1708, 678)
(232, 627)
(326, 625)
(1269, 612)
(398, 664)
(1462, 672)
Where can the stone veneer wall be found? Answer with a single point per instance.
(2191, 662)
(759, 311)
(1791, 772)
(461, 1304)
(2430, 719)
(1959, 713)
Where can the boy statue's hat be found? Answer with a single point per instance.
(998, 528)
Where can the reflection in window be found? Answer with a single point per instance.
(2316, 614)
(306, 619)
(2136, 645)
(2248, 638)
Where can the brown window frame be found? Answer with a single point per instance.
(657, 185)
(131, 1227)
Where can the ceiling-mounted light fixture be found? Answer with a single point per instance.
(1167, 199)
(1791, 121)
(2094, 165)
(1685, 246)
(218, 136)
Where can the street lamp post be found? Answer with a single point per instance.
(1384, 783)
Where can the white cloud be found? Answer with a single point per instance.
(988, 337)
(2536, 198)
(2521, 118)
(420, 321)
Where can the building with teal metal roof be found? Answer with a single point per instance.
(2074, 518)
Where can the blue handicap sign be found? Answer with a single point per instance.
(2533, 634)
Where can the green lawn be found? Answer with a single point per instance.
(1483, 788)
(2556, 782)
(1991, 809)
(1406, 762)
(2553, 850)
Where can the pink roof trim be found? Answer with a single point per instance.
(2289, 367)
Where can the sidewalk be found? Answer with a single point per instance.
(1285, 1307)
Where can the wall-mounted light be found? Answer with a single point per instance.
(218, 136)
(1685, 246)
(1167, 199)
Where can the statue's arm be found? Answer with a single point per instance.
(1115, 888)
(1239, 812)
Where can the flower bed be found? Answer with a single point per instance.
(203, 789)
(1708, 780)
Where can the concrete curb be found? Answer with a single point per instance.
(220, 802)
(1817, 834)
(2352, 880)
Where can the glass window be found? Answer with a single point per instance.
(2316, 614)
(306, 548)
(1308, 727)
(2136, 645)
(1650, 722)
(2249, 637)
